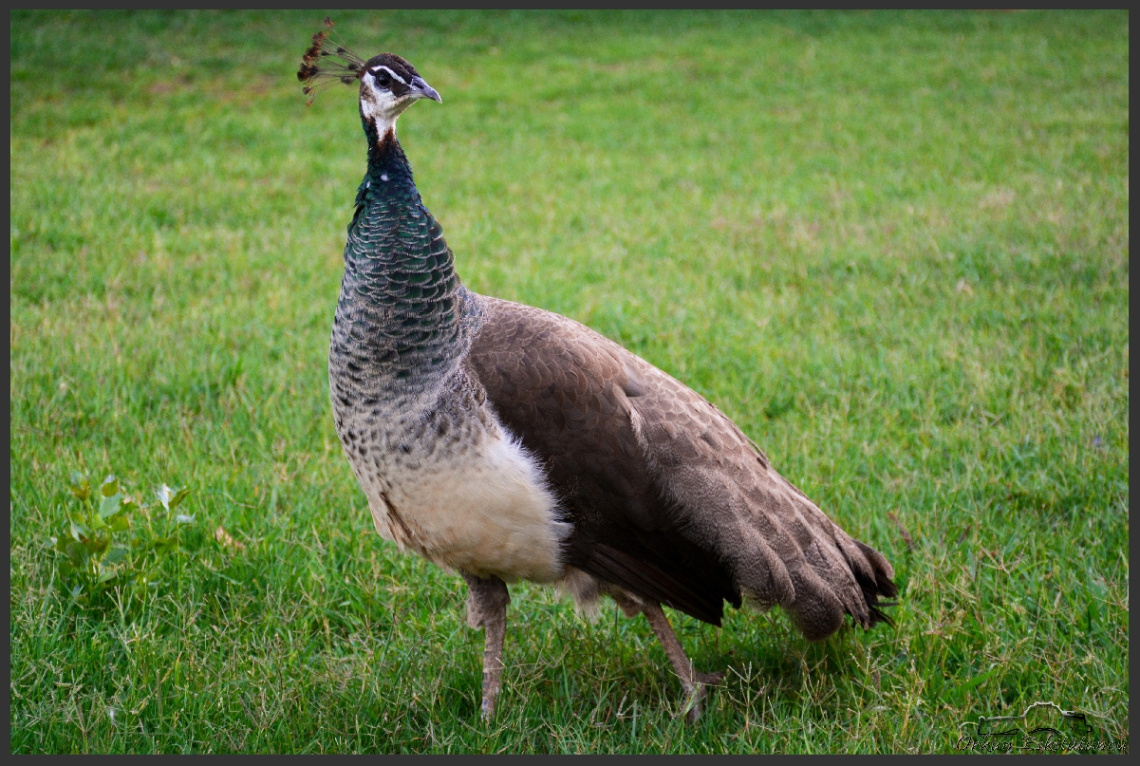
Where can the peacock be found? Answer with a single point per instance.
(504, 442)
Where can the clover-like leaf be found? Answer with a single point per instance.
(179, 496)
(100, 540)
(76, 553)
(107, 573)
(110, 504)
(80, 487)
(115, 555)
(165, 545)
(165, 494)
(171, 498)
(110, 486)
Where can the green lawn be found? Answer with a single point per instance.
(892, 247)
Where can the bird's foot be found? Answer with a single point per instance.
(694, 705)
(697, 692)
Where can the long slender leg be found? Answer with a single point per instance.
(487, 601)
(695, 684)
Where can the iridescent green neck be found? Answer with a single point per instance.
(400, 318)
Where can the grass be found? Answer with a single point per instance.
(892, 246)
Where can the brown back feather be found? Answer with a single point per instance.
(667, 497)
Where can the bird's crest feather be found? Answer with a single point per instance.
(326, 61)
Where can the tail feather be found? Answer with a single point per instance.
(879, 586)
(831, 573)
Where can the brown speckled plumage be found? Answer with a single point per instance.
(667, 498)
(506, 442)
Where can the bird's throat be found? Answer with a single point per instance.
(381, 136)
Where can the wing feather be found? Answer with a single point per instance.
(667, 497)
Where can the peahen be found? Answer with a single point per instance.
(509, 443)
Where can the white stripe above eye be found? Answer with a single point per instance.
(389, 71)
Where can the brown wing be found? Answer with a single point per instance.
(667, 497)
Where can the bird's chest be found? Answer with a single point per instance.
(450, 483)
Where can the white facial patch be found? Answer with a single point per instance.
(390, 72)
(378, 103)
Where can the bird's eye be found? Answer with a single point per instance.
(383, 79)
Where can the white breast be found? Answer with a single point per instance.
(485, 511)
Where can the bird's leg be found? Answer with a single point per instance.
(487, 601)
(695, 684)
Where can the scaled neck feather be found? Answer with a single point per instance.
(403, 318)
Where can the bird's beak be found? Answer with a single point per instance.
(424, 90)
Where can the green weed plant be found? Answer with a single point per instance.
(112, 542)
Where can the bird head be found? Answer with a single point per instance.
(389, 84)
